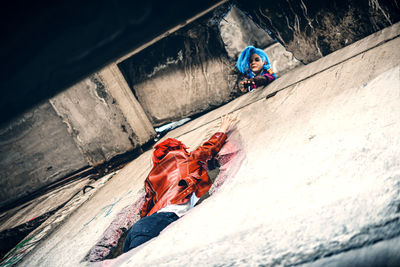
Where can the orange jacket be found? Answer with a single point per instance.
(176, 173)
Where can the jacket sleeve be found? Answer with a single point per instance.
(210, 148)
(149, 199)
(264, 79)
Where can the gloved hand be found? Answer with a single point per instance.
(246, 85)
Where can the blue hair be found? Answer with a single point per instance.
(243, 61)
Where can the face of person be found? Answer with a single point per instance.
(256, 63)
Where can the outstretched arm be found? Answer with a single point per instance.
(213, 145)
(226, 122)
(260, 80)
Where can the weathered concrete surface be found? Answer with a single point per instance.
(186, 73)
(239, 31)
(94, 120)
(35, 150)
(51, 224)
(133, 112)
(36, 207)
(86, 225)
(50, 47)
(311, 29)
(17, 223)
(89, 124)
(321, 174)
(282, 61)
(385, 253)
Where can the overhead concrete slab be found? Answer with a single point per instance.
(50, 47)
(320, 176)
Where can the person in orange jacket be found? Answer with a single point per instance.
(174, 184)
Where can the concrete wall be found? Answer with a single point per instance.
(86, 125)
(282, 61)
(186, 73)
(193, 70)
(95, 121)
(47, 48)
(122, 95)
(239, 31)
(35, 150)
(311, 29)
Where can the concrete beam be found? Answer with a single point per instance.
(95, 120)
(133, 112)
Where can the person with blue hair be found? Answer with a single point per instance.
(254, 64)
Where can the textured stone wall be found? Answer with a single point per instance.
(311, 29)
(183, 74)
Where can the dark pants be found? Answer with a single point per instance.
(148, 228)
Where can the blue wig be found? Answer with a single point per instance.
(243, 61)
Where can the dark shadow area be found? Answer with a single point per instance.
(213, 170)
(117, 251)
(52, 45)
(10, 238)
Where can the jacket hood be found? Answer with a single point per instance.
(165, 146)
